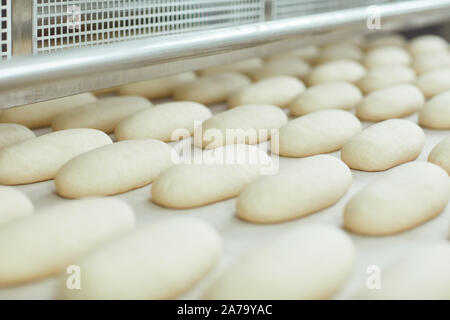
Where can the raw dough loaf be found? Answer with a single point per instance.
(161, 121)
(293, 67)
(404, 198)
(391, 102)
(339, 51)
(39, 159)
(310, 262)
(312, 184)
(47, 242)
(338, 70)
(113, 169)
(244, 66)
(211, 89)
(440, 154)
(279, 91)
(102, 115)
(318, 132)
(431, 62)
(423, 275)
(308, 53)
(331, 95)
(387, 56)
(249, 124)
(14, 204)
(428, 44)
(157, 88)
(41, 114)
(384, 145)
(434, 82)
(383, 77)
(382, 40)
(436, 114)
(11, 133)
(160, 261)
(193, 185)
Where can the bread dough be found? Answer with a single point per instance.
(431, 62)
(436, 114)
(406, 197)
(278, 91)
(422, 275)
(428, 44)
(387, 56)
(39, 159)
(114, 169)
(310, 185)
(330, 95)
(14, 204)
(384, 145)
(397, 101)
(383, 77)
(162, 121)
(45, 243)
(160, 261)
(214, 88)
(440, 154)
(249, 124)
(308, 262)
(11, 133)
(339, 51)
(434, 82)
(318, 132)
(193, 185)
(337, 70)
(41, 114)
(293, 67)
(245, 66)
(308, 53)
(382, 40)
(157, 88)
(102, 115)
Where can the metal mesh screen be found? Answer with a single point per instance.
(5, 28)
(62, 24)
(295, 8)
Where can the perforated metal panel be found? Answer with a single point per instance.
(62, 24)
(5, 29)
(295, 8)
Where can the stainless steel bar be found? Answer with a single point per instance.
(20, 78)
(22, 27)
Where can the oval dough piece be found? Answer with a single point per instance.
(162, 121)
(40, 158)
(384, 145)
(45, 243)
(338, 70)
(423, 275)
(250, 124)
(387, 56)
(318, 132)
(382, 40)
(157, 262)
(41, 114)
(102, 115)
(404, 198)
(211, 89)
(392, 102)
(331, 95)
(279, 91)
(308, 53)
(431, 62)
(245, 66)
(14, 204)
(340, 51)
(436, 114)
(434, 82)
(11, 133)
(157, 88)
(193, 185)
(383, 77)
(428, 44)
(293, 67)
(312, 184)
(113, 169)
(305, 263)
(440, 154)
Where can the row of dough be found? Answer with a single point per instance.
(117, 262)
